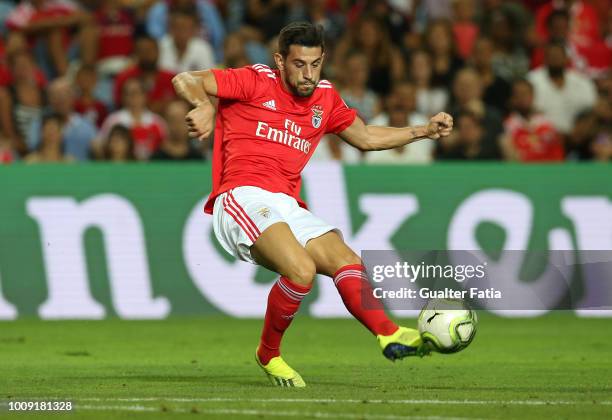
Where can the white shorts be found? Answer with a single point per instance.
(241, 214)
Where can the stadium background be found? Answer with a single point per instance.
(84, 83)
(114, 229)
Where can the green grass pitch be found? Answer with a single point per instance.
(557, 366)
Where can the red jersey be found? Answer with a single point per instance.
(265, 135)
(94, 111)
(7, 78)
(117, 29)
(148, 132)
(26, 13)
(587, 50)
(162, 88)
(535, 139)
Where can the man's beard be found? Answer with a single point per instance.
(148, 66)
(524, 112)
(556, 71)
(304, 94)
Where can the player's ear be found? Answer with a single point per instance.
(278, 59)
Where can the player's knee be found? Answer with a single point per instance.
(347, 258)
(302, 272)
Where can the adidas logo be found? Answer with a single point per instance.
(270, 104)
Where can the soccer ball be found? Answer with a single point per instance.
(447, 325)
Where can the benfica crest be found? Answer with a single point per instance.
(317, 116)
(264, 211)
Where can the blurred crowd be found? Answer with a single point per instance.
(524, 80)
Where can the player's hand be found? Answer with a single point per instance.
(200, 120)
(440, 125)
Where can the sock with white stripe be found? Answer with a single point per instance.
(283, 302)
(352, 284)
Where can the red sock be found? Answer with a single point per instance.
(283, 302)
(352, 285)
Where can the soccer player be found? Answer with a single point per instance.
(267, 125)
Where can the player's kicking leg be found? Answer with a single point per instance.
(335, 259)
(278, 250)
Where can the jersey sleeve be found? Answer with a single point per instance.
(341, 116)
(237, 84)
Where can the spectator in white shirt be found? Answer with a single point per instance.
(561, 93)
(181, 49)
(401, 112)
(430, 99)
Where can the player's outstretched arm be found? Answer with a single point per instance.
(371, 137)
(195, 87)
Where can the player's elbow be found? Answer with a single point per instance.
(190, 75)
(370, 144)
(366, 148)
(367, 142)
(373, 139)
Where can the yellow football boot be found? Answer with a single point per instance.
(403, 343)
(280, 373)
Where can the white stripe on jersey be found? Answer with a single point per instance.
(262, 68)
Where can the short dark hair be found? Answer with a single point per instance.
(52, 116)
(523, 81)
(559, 13)
(87, 68)
(555, 43)
(185, 11)
(300, 33)
(122, 131)
(145, 37)
(471, 115)
(47, 118)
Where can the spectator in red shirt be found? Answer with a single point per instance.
(465, 29)
(115, 30)
(581, 33)
(157, 82)
(50, 22)
(558, 30)
(16, 43)
(529, 136)
(147, 128)
(86, 103)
